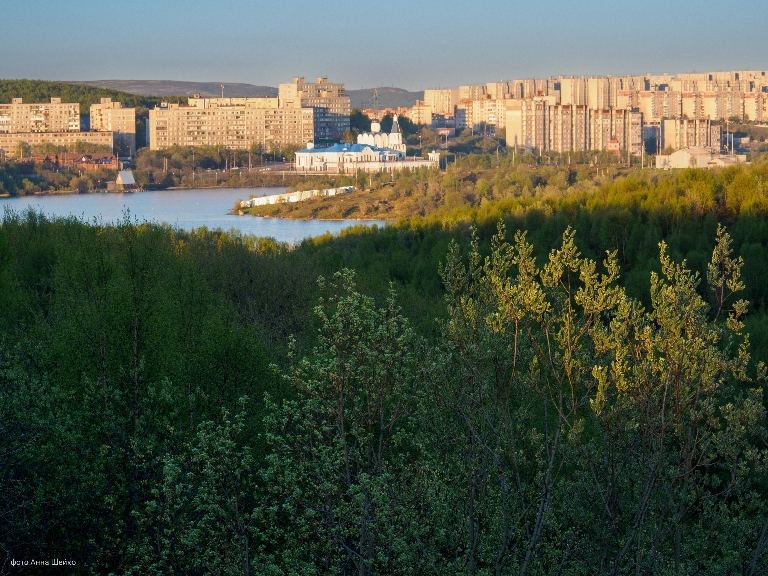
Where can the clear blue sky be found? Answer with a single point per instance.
(413, 45)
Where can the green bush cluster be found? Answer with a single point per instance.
(532, 384)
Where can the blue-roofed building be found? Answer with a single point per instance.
(350, 158)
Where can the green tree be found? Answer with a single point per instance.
(23, 150)
(359, 121)
(199, 519)
(338, 498)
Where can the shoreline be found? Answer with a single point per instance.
(174, 188)
(323, 219)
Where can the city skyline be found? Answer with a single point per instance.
(414, 47)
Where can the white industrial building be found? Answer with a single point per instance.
(697, 158)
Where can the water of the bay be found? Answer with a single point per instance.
(182, 209)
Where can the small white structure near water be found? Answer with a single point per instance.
(124, 181)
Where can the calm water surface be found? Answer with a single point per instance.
(184, 209)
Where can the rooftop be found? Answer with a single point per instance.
(343, 148)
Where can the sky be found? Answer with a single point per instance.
(413, 44)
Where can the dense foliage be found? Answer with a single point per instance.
(533, 383)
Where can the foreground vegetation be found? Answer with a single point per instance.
(562, 381)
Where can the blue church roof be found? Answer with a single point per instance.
(342, 148)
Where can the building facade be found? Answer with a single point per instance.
(10, 142)
(330, 101)
(108, 116)
(690, 133)
(420, 114)
(54, 122)
(54, 116)
(353, 158)
(234, 123)
(441, 101)
(535, 123)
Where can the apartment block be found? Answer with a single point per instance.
(10, 141)
(688, 133)
(528, 124)
(53, 122)
(486, 112)
(536, 123)
(442, 101)
(473, 92)
(573, 91)
(598, 93)
(659, 104)
(235, 123)
(498, 90)
(692, 105)
(328, 99)
(561, 128)
(108, 116)
(421, 114)
(600, 129)
(55, 116)
(629, 129)
(755, 106)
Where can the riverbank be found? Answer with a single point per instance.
(179, 209)
(149, 189)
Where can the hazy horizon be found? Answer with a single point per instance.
(407, 46)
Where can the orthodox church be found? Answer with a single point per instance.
(391, 141)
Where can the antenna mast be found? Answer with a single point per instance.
(376, 103)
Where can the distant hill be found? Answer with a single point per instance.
(178, 88)
(389, 97)
(148, 93)
(43, 90)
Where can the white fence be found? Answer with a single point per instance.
(297, 196)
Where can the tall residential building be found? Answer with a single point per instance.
(677, 134)
(498, 90)
(628, 129)
(486, 112)
(561, 128)
(328, 99)
(18, 117)
(660, 104)
(108, 116)
(56, 123)
(420, 114)
(528, 124)
(442, 101)
(755, 106)
(10, 140)
(235, 123)
(536, 123)
(598, 93)
(573, 91)
(600, 129)
(473, 92)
